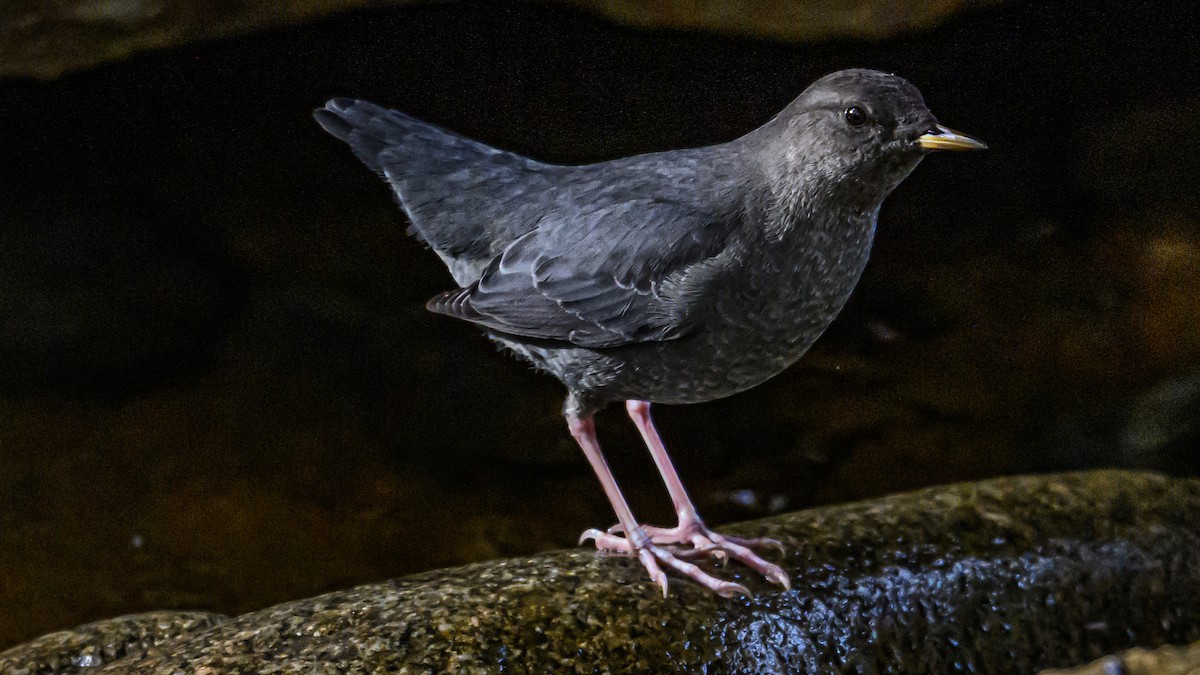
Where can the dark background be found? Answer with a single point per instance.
(219, 388)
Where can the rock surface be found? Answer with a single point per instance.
(46, 39)
(85, 648)
(1161, 661)
(1008, 575)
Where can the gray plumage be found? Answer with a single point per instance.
(673, 277)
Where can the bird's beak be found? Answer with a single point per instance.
(942, 138)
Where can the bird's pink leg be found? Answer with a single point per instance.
(652, 556)
(691, 529)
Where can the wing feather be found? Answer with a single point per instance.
(596, 282)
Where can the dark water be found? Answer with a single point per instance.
(219, 389)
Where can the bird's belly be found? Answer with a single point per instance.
(750, 335)
(714, 365)
(725, 357)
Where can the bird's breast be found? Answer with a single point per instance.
(759, 319)
(787, 293)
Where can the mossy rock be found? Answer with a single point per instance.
(1007, 575)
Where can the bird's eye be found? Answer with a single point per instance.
(855, 116)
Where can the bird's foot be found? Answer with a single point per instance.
(702, 540)
(654, 557)
(690, 540)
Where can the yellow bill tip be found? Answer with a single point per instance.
(943, 138)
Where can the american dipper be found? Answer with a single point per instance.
(669, 277)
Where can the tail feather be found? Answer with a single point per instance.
(467, 200)
(359, 125)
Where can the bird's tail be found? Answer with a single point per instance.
(467, 200)
(363, 126)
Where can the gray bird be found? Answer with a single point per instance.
(669, 277)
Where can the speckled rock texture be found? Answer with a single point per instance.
(1168, 660)
(1005, 576)
(86, 648)
(46, 38)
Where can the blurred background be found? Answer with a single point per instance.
(219, 388)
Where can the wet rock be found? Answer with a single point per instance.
(1161, 661)
(46, 39)
(1008, 575)
(792, 21)
(88, 647)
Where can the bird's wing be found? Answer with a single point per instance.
(444, 182)
(597, 276)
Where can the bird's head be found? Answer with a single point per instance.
(858, 133)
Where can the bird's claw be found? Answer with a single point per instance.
(594, 534)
